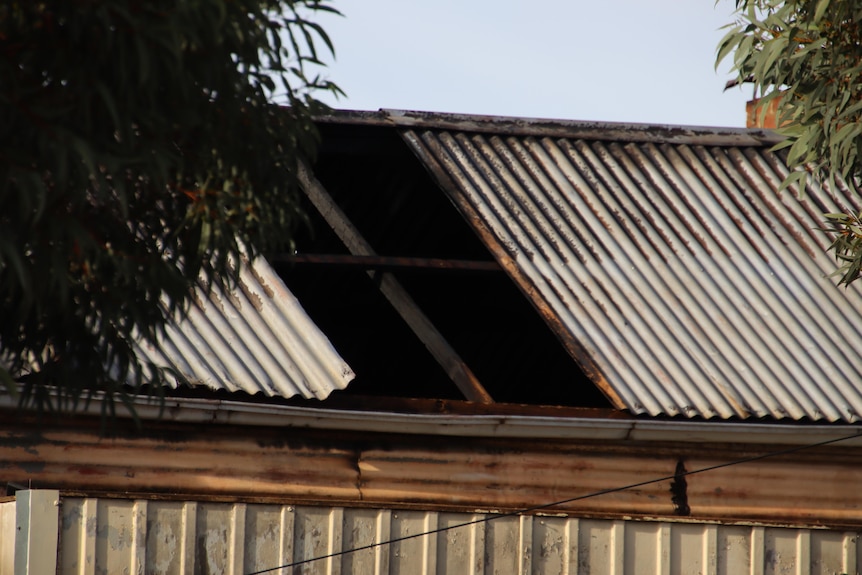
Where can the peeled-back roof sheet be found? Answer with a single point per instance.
(255, 339)
(665, 258)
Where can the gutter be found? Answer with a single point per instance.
(196, 410)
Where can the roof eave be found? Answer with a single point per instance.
(503, 426)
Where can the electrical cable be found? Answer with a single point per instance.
(563, 502)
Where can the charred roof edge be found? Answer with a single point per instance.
(514, 126)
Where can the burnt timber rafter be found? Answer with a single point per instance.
(387, 262)
(462, 376)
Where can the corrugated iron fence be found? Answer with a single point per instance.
(184, 537)
(7, 536)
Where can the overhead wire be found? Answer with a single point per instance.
(601, 492)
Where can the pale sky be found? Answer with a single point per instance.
(648, 61)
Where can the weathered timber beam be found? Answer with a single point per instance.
(398, 297)
(387, 262)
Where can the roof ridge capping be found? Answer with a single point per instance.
(540, 127)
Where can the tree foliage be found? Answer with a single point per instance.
(140, 154)
(808, 53)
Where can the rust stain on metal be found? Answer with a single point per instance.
(746, 165)
(638, 224)
(689, 191)
(574, 347)
(731, 398)
(215, 299)
(254, 298)
(444, 174)
(508, 263)
(815, 486)
(648, 212)
(746, 222)
(572, 225)
(534, 183)
(744, 188)
(654, 193)
(592, 180)
(658, 155)
(261, 281)
(702, 205)
(85, 470)
(196, 299)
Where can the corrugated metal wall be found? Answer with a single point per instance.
(7, 537)
(165, 537)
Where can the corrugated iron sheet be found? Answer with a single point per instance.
(7, 536)
(666, 259)
(256, 339)
(161, 537)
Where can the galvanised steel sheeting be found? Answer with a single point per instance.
(7, 536)
(668, 263)
(184, 537)
(255, 338)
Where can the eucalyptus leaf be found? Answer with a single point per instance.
(132, 139)
(809, 53)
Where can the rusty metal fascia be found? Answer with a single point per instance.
(817, 486)
(694, 287)
(256, 338)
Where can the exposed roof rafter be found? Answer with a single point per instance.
(388, 262)
(448, 358)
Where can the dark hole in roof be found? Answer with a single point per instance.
(387, 194)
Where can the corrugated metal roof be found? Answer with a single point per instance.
(256, 339)
(665, 259)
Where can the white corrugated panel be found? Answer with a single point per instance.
(668, 259)
(255, 339)
(174, 537)
(7, 537)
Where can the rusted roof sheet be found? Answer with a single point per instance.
(665, 259)
(256, 339)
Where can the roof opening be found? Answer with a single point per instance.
(394, 204)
